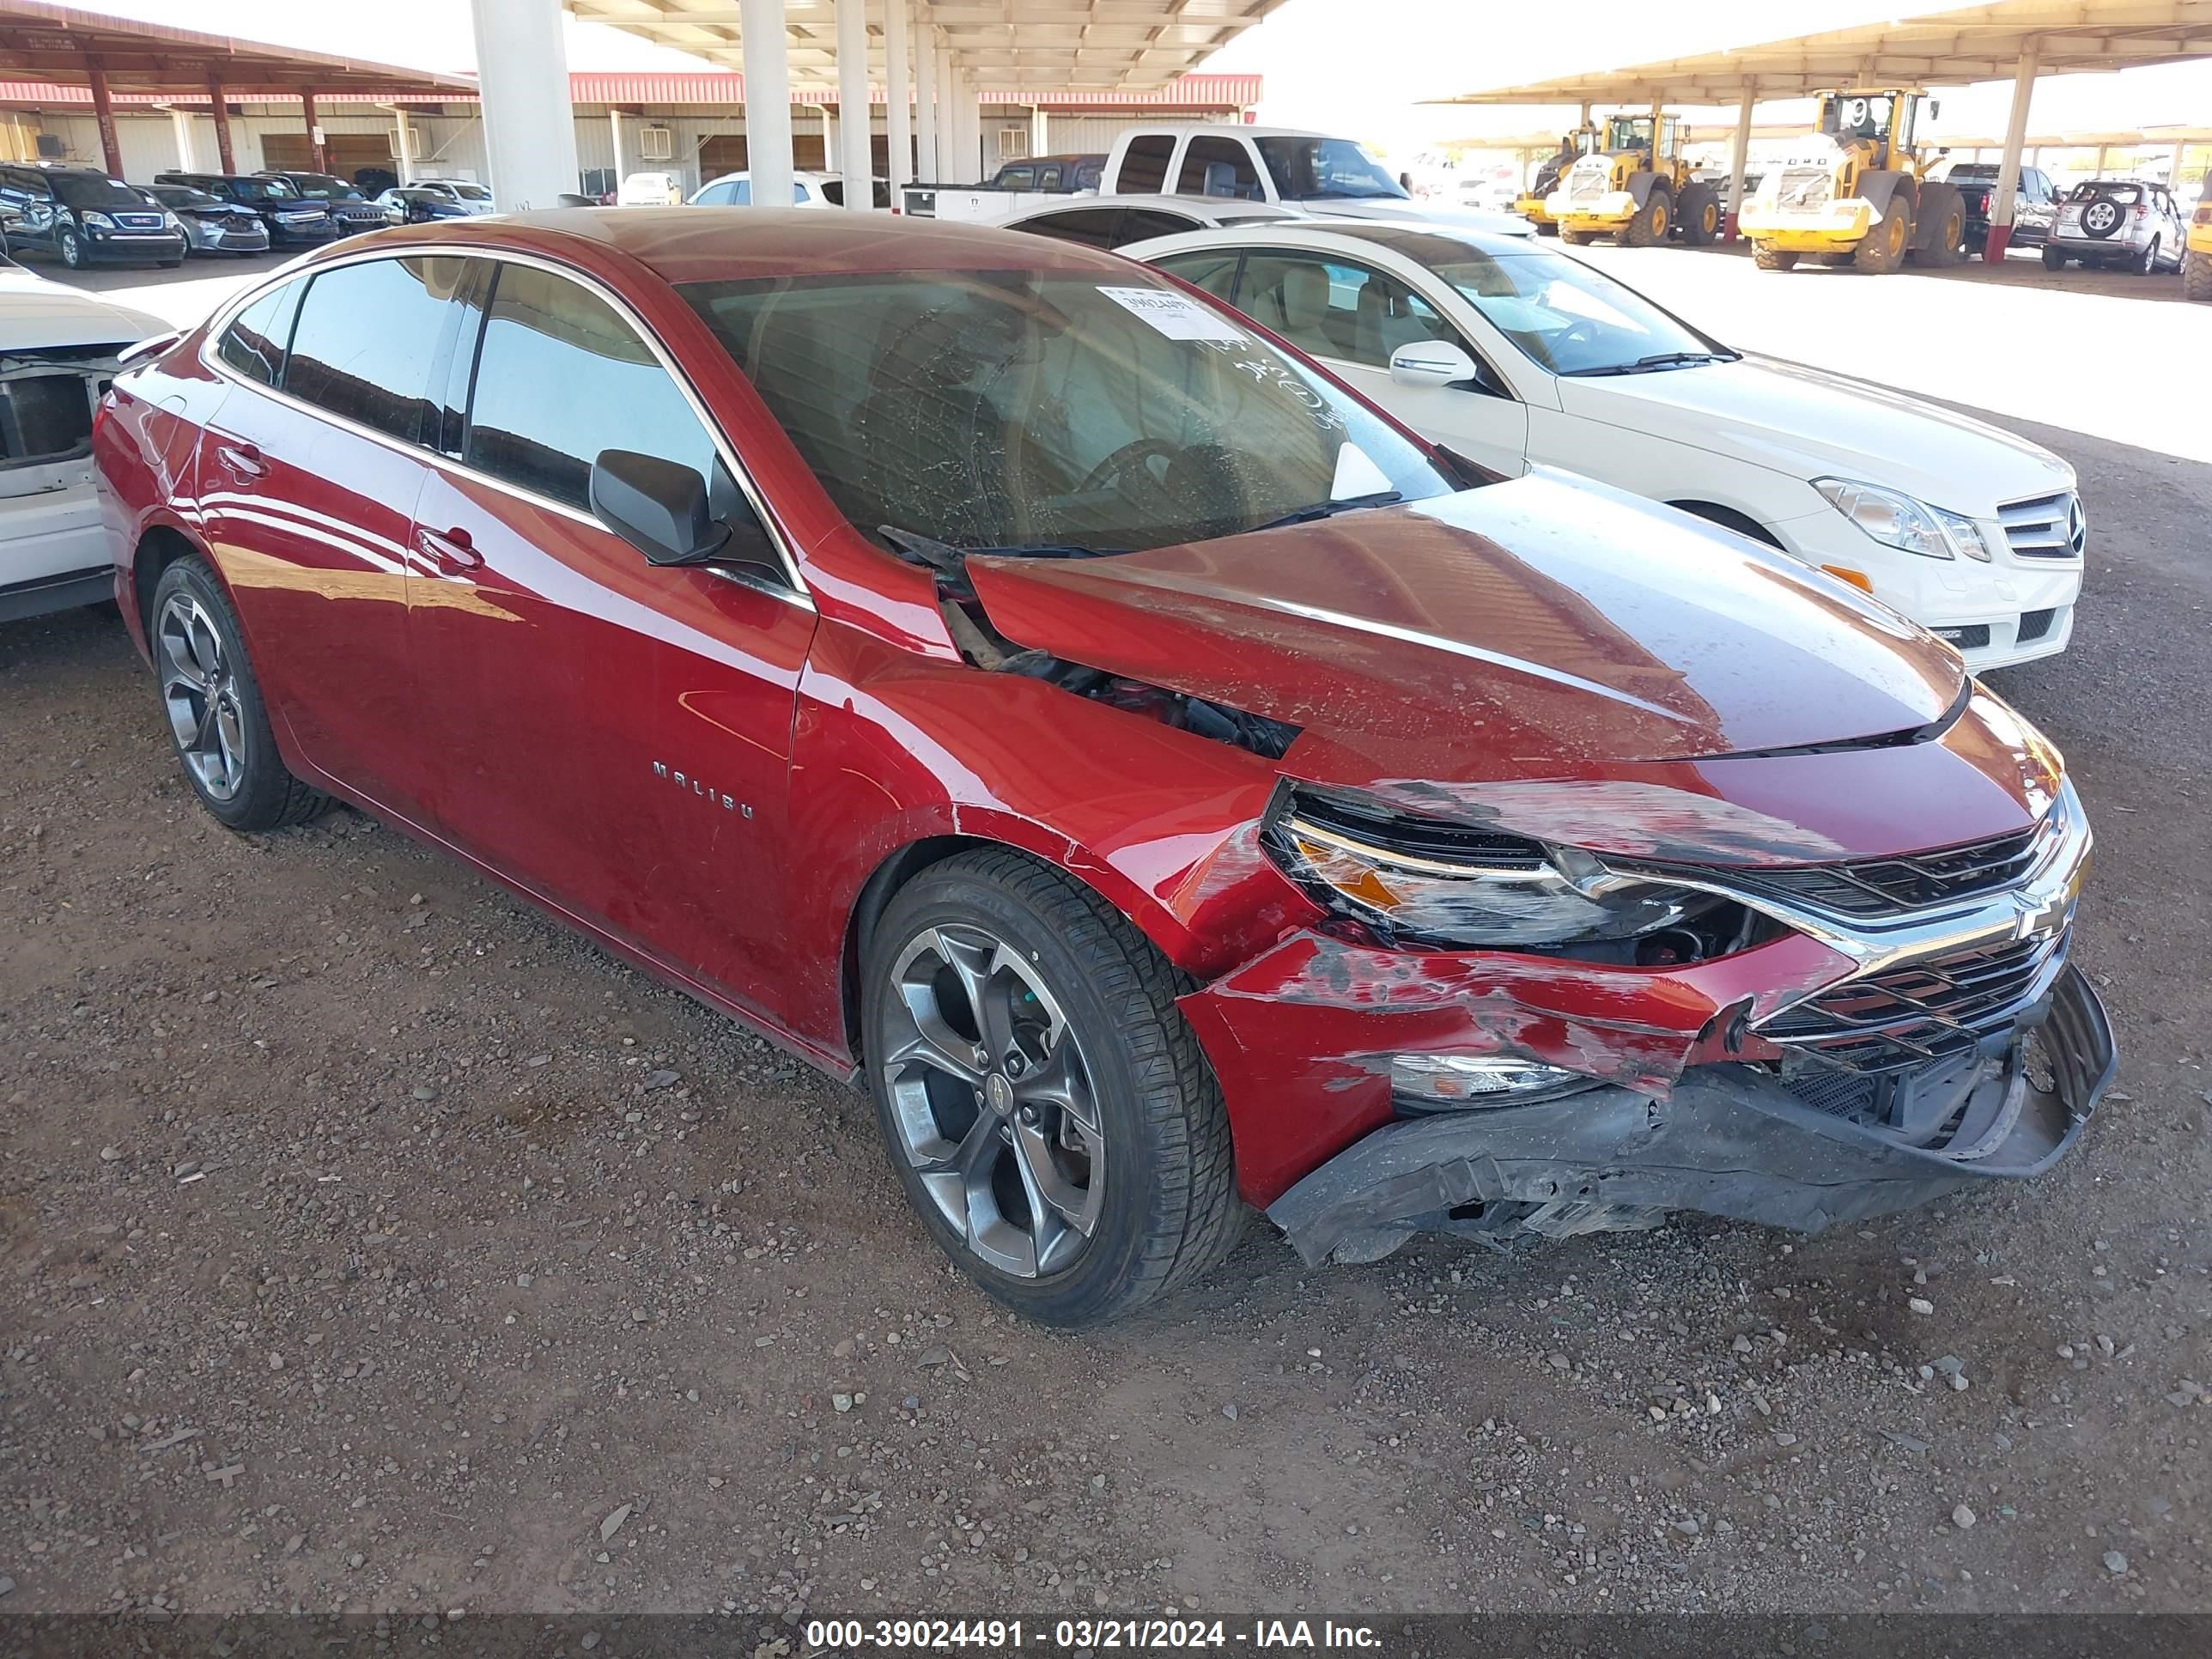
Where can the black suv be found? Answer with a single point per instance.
(350, 212)
(293, 220)
(84, 217)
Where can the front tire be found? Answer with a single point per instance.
(1773, 258)
(72, 250)
(1046, 1107)
(1883, 250)
(218, 723)
(1651, 222)
(1577, 238)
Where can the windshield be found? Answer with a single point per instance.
(478, 193)
(1020, 408)
(320, 187)
(1628, 132)
(1856, 115)
(264, 189)
(1566, 317)
(1326, 169)
(92, 190)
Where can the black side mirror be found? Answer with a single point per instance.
(658, 507)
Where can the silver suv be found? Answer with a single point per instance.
(2118, 222)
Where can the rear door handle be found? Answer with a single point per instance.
(449, 550)
(241, 460)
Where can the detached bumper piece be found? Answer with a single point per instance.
(1790, 1147)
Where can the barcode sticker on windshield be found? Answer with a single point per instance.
(1175, 315)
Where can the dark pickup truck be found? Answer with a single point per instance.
(2034, 208)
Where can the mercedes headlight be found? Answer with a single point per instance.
(1415, 881)
(1895, 520)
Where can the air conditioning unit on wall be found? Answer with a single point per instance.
(415, 146)
(655, 143)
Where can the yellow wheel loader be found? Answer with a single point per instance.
(1531, 203)
(1855, 193)
(1636, 190)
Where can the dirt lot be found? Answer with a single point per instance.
(368, 1241)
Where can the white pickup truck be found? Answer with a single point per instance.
(1309, 173)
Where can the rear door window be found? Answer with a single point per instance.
(560, 376)
(255, 342)
(1145, 164)
(1220, 167)
(1208, 268)
(366, 336)
(1085, 227)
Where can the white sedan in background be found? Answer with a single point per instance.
(1515, 356)
(808, 190)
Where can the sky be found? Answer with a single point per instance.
(1356, 67)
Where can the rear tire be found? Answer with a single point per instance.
(2196, 276)
(218, 722)
(2146, 263)
(1650, 224)
(1883, 250)
(1083, 1168)
(2052, 258)
(1773, 258)
(1699, 215)
(1945, 222)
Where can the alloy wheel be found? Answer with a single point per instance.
(72, 250)
(993, 1101)
(202, 699)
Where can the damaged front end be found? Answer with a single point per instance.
(1501, 1036)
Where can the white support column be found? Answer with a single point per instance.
(853, 159)
(948, 118)
(614, 131)
(768, 100)
(899, 94)
(1740, 158)
(406, 144)
(2003, 199)
(971, 148)
(1040, 132)
(927, 165)
(529, 122)
(830, 161)
(180, 125)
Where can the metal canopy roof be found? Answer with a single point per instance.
(1120, 44)
(1949, 46)
(60, 46)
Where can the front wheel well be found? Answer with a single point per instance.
(875, 897)
(1728, 518)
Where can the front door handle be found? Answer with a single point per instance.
(450, 550)
(242, 460)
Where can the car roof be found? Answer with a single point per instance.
(714, 244)
(1225, 207)
(1425, 245)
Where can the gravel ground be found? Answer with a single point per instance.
(371, 1242)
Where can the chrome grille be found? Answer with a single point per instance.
(1880, 887)
(1806, 187)
(1915, 1013)
(2045, 527)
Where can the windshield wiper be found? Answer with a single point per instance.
(918, 549)
(1330, 509)
(1657, 360)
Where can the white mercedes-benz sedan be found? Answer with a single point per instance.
(1517, 356)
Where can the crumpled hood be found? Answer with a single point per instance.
(1811, 424)
(1530, 629)
(35, 313)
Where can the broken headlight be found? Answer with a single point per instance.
(1420, 882)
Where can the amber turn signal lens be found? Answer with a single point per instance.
(1857, 578)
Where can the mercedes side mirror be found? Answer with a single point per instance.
(1432, 362)
(659, 507)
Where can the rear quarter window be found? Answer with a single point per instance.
(255, 342)
(1145, 164)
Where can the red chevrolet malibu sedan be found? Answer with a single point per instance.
(1015, 683)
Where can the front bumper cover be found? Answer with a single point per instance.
(1730, 1141)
